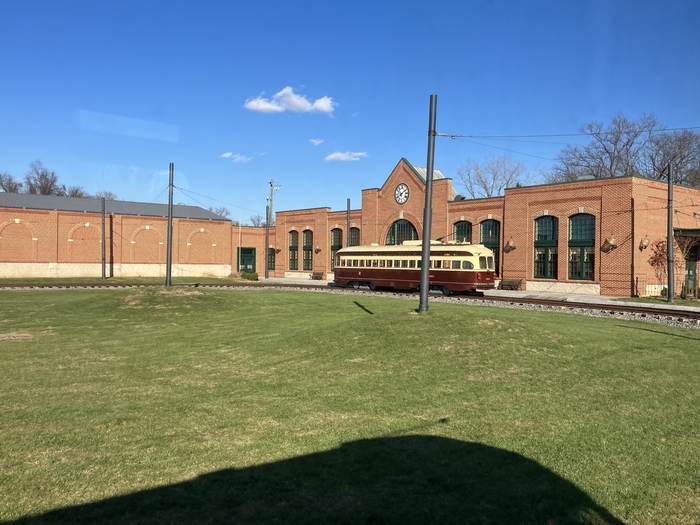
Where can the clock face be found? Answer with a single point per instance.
(401, 193)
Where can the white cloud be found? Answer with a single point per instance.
(348, 155)
(226, 155)
(241, 158)
(288, 100)
(316, 142)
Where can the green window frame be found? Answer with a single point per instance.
(546, 248)
(308, 249)
(462, 231)
(354, 237)
(581, 247)
(490, 236)
(336, 244)
(271, 258)
(401, 230)
(293, 250)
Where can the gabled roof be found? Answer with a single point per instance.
(53, 202)
(422, 173)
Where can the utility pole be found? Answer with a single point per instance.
(169, 257)
(669, 235)
(104, 258)
(268, 220)
(428, 210)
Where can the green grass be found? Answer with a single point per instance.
(205, 406)
(58, 281)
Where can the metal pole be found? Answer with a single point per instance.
(169, 256)
(669, 234)
(347, 229)
(427, 211)
(267, 239)
(104, 258)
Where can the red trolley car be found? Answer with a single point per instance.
(454, 267)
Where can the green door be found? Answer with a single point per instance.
(691, 274)
(246, 260)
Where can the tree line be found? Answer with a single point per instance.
(625, 147)
(39, 180)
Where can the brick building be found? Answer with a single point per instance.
(592, 236)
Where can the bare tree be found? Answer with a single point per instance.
(9, 184)
(490, 178)
(77, 192)
(221, 210)
(108, 195)
(615, 151)
(257, 220)
(40, 181)
(681, 149)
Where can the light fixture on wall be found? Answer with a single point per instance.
(510, 246)
(609, 244)
(318, 249)
(643, 243)
(277, 249)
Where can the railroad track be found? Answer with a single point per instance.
(645, 312)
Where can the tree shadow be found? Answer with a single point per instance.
(402, 480)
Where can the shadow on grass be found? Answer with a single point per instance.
(363, 308)
(693, 336)
(411, 479)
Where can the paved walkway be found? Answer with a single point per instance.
(563, 297)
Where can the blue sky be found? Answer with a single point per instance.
(323, 97)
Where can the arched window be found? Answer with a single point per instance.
(581, 246)
(490, 237)
(354, 237)
(401, 230)
(308, 248)
(293, 250)
(462, 231)
(546, 239)
(336, 244)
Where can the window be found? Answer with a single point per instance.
(491, 238)
(546, 251)
(412, 263)
(462, 231)
(455, 265)
(482, 263)
(270, 258)
(401, 230)
(581, 242)
(336, 244)
(404, 263)
(354, 237)
(467, 265)
(308, 248)
(293, 250)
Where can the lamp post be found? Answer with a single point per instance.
(268, 219)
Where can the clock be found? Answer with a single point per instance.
(401, 193)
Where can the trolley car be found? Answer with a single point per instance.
(454, 267)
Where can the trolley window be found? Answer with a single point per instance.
(362, 263)
(382, 263)
(404, 263)
(375, 263)
(354, 262)
(490, 259)
(467, 265)
(397, 264)
(412, 264)
(455, 265)
(389, 263)
(482, 263)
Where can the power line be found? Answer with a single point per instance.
(190, 193)
(551, 135)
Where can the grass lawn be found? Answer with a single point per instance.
(267, 406)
